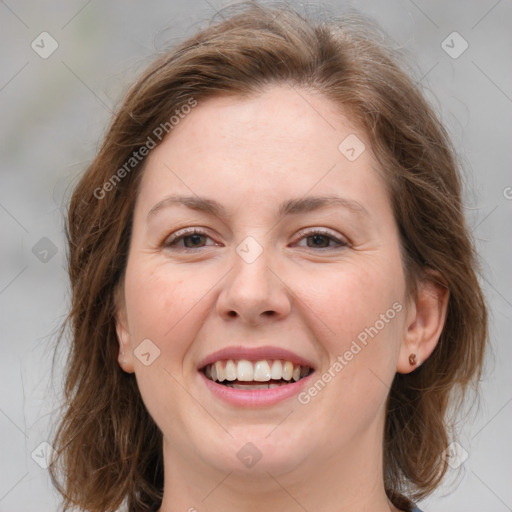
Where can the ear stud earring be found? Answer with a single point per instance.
(412, 359)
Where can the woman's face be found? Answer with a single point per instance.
(272, 269)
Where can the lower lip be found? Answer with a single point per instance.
(256, 397)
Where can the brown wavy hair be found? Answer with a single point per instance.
(109, 448)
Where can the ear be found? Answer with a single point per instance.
(125, 355)
(425, 321)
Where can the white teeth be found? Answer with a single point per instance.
(287, 370)
(245, 371)
(260, 371)
(277, 369)
(230, 370)
(221, 373)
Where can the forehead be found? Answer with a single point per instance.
(283, 141)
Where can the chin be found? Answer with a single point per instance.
(257, 451)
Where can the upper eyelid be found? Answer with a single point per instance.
(180, 233)
(322, 231)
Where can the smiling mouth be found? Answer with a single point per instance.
(253, 375)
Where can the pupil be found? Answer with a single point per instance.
(319, 237)
(194, 238)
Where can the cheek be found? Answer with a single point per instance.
(362, 304)
(365, 315)
(160, 306)
(159, 299)
(355, 298)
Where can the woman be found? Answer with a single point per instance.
(274, 292)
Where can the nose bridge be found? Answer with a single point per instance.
(252, 290)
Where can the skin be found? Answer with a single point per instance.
(249, 154)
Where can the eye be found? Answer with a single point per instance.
(192, 238)
(320, 239)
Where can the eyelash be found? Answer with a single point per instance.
(171, 241)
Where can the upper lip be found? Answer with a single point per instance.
(255, 354)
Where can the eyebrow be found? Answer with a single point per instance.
(289, 207)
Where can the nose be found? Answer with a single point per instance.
(254, 291)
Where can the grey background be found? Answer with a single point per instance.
(54, 112)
